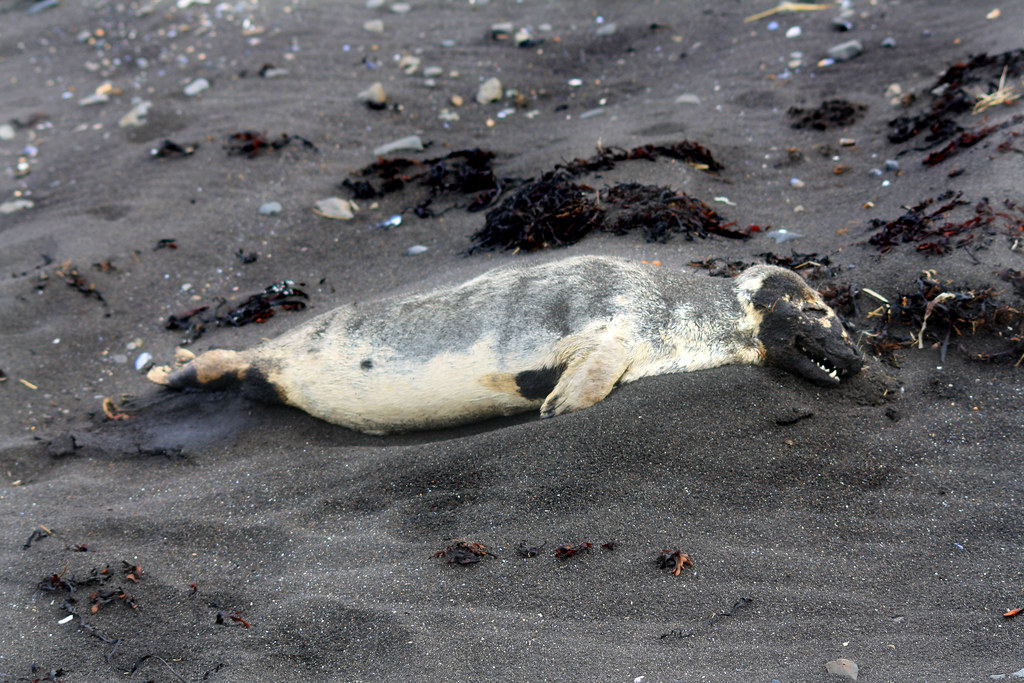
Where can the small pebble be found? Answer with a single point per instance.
(448, 116)
(456, 101)
(374, 97)
(335, 207)
(6, 131)
(524, 38)
(374, 26)
(401, 8)
(197, 86)
(374, 4)
(793, 32)
(95, 98)
(16, 205)
(796, 182)
(433, 71)
(143, 361)
(415, 249)
(392, 222)
(502, 30)
(270, 208)
(773, 26)
(409, 64)
(489, 91)
(889, 42)
(688, 98)
(842, 25)
(136, 116)
(783, 235)
(575, 82)
(843, 667)
(892, 165)
(846, 51)
(608, 29)
(410, 142)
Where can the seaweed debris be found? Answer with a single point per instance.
(464, 171)
(606, 157)
(552, 211)
(831, 114)
(955, 93)
(257, 308)
(464, 552)
(920, 224)
(935, 314)
(470, 172)
(251, 143)
(555, 211)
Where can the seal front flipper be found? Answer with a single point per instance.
(588, 377)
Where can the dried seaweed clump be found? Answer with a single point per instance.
(920, 224)
(661, 212)
(257, 308)
(464, 171)
(550, 212)
(555, 212)
(956, 92)
(936, 315)
(831, 114)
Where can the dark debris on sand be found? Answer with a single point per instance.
(937, 314)
(258, 308)
(835, 113)
(555, 212)
(921, 225)
(464, 552)
(954, 94)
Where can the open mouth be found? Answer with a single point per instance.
(823, 364)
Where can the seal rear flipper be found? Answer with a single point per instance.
(215, 370)
(589, 379)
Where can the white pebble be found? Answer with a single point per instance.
(197, 86)
(270, 208)
(793, 32)
(144, 359)
(415, 249)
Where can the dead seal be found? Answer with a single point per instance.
(557, 336)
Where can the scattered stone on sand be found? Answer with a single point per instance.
(144, 360)
(888, 41)
(374, 4)
(608, 29)
(374, 26)
(6, 131)
(16, 205)
(524, 38)
(401, 8)
(456, 100)
(783, 235)
(489, 91)
(793, 32)
(270, 208)
(502, 30)
(796, 182)
(374, 97)
(197, 86)
(843, 667)
(688, 98)
(999, 677)
(433, 71)
(409, 143)
(448, 116)
(415, 249)
(336, 207)
(136, 116)
(101, 95)
(409, 64)
(846, 51)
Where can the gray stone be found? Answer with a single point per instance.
(374, 97)
(489, 91)
(270, 208)
(410, 142)
(197, 86)
(846, 51)
(843, 667)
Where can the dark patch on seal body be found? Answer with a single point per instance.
(537, 384)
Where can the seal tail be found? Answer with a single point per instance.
(215, 370)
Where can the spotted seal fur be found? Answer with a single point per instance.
(557, 336)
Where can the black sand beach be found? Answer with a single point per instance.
(155, 535)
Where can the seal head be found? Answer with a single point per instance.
(799, 332)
